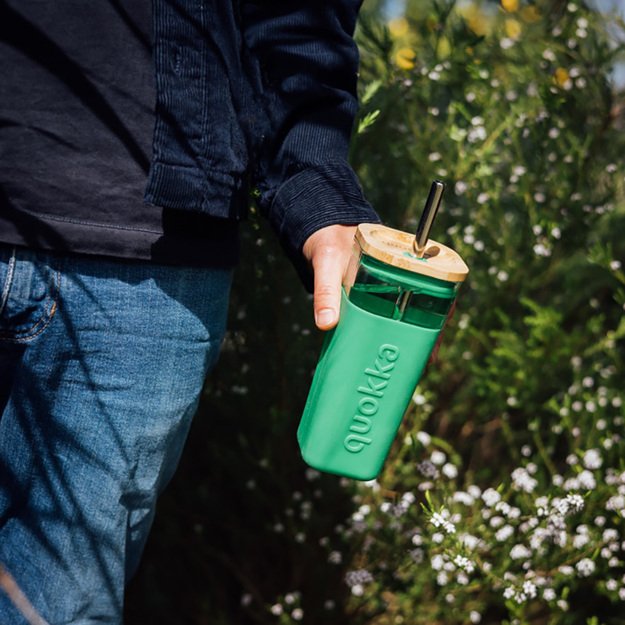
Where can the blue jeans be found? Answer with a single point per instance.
(101, 366)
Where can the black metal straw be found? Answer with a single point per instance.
(427, 217)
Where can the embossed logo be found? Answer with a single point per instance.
(372, 391)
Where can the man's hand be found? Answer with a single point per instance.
(329, 250)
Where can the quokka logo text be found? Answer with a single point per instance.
(377, 379)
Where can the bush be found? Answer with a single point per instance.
(515, 435)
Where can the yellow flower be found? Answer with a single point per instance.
(398, 27)
(404, 58)
(478, 21)
(513, 28)
(510, 5)
(561, 76)
(530, 14)
(444, 48)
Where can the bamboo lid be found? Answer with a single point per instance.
(396, 248)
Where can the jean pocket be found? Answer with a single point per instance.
(29, 288)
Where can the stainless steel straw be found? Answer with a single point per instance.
(427, 217)
(430, 209)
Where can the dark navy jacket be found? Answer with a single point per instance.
(204, 99)
(257, 94)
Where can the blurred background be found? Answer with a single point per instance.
(502, 500)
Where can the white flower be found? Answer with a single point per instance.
(450, 470)
(276, 609)
(592, 459)
(358, 590)
(464, 498)
(477, 133)
(469, 541)
(549, 594)
(440, 519)
(424, 438)
(522, 480)
(407, 499)
(615, 265)
(474, 490)
(335, 557)
(437, 562)
(442, 578)
(529, 588)
(298, 613)
(509, 592)
(575, 503)
(585, 567)
(490, 497)
(464, 563)
(520, 552)
(438, 457)
(548, 55)
(504, 533)
(460, 187)
(506, 43)
(540, 249)
(312, 474)
(434, 156)
(587, 480)
(616, 502)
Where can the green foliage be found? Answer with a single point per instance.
(503, 498)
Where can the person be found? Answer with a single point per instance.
(131, 136)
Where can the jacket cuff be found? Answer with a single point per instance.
(316, 197)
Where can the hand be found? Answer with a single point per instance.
(329, 250)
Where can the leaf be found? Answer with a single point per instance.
(370, 90)
(367, 121)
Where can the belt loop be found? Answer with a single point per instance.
(8, 280)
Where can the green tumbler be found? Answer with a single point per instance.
(395, 301)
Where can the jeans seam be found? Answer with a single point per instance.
(8, 281)
(45, 319)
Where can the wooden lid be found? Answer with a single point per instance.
(396, 248)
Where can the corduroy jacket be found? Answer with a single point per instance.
(257, 94)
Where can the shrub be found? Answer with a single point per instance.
(515, 435)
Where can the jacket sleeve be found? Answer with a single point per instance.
(304, 65)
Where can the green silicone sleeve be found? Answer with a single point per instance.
(367, 372)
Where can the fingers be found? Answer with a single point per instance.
(328, 274)
(329, 250)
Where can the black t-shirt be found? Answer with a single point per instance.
(76, 120)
